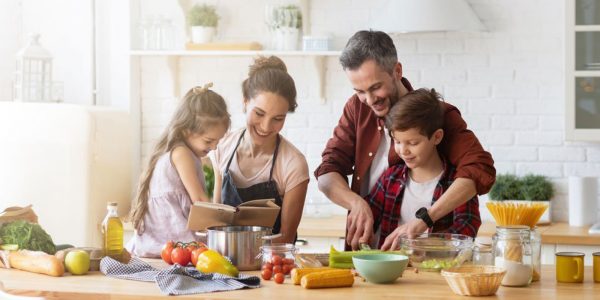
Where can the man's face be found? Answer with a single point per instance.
(375, 87)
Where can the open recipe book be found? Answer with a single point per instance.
(262, 212)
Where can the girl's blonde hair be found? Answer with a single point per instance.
(199, 110)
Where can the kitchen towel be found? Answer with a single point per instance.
(583, 200)
(176, 280)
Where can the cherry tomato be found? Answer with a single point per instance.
(286, 269)
(277, 269)
(268, 266)
(165, 254)
(278, 278)
(288, 261)
(181, 256)
(195, 253)
(276, 260)
(266, 274)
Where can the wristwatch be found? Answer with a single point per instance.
(424, 215)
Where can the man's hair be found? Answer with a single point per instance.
(421, 109)
(367, 44)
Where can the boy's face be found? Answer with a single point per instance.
(415, 148)
(375, 87)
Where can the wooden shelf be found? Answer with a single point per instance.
(231, 53)
(555, 233)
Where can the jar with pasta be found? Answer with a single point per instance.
(512, 251)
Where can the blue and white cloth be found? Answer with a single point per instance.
(176, 280)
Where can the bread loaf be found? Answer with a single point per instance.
(37, 262)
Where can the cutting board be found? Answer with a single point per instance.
(227, 46)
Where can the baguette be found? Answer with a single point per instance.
(37, 262)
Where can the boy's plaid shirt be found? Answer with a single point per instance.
(385, 200)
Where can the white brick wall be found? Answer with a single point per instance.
(508, 83)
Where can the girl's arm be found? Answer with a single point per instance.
(218, 184)
(291, 212)
(185, 164)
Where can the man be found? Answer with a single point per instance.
(361, 147)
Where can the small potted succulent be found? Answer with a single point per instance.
(285, 22)
(203, 20)
(527, 188)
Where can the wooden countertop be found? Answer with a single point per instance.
(555, 233)
(422, 285)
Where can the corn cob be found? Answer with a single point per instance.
(298, 273)
(327, 279)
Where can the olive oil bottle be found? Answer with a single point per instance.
(112, 230)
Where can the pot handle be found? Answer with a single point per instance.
(271, 237)
(201, 233)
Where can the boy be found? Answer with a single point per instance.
(405, 191)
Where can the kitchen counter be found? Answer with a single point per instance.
(422, 285)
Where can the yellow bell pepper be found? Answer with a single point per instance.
(211, 261)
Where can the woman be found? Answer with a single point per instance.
(256, 162)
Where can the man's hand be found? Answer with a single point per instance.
(411, 230)
(359, 223)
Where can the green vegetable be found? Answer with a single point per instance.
(438, 264)
(209, 178)
(343, 259)
(27, 235)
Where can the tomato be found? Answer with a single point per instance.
(286, 269)
(165, 254)
(278, 278)
(277, 269)
(266, 274)
(276, 260)
(288, 261)
(267, 266)
(181, 256)
(195, 253)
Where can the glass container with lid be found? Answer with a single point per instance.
(512, 251)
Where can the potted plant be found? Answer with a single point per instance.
(527, 188)
(285, 22)
(203, 20)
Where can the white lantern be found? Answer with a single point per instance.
(34, 73)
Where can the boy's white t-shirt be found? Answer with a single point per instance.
(290, 170)
(417, 195)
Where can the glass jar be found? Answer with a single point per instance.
(512, 251)
(278, 258)
(536, 254)
(482, 251)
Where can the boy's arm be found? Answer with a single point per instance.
(183, 160)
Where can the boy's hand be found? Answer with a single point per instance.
(359, 223)
(410, 229)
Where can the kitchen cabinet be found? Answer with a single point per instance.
(582, 70)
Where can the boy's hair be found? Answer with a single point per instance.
(269, 74)
(368, 44)
(421, 109)
(199, 110)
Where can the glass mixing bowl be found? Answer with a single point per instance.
(437, 251)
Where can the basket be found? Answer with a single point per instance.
(474, 280)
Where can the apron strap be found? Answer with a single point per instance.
(274, 158)
(235, 149)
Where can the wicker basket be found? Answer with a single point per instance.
(474, 280)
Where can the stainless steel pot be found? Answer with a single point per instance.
(241, 244)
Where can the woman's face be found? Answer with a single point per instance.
(265, 116)
(203, 143)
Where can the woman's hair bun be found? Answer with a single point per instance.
(263, 63)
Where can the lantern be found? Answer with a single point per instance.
(34, 73)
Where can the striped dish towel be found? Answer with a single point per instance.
(176, 280)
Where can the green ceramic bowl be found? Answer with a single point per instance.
(380, 268)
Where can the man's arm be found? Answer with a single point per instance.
(463, 150)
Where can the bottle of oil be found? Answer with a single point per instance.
(112, 230)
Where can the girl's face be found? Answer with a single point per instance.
(203, 143)
(265, 116)
(415, 148)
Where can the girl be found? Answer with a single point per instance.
(256, 162)
(174, 177)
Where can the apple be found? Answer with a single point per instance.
(77, 262)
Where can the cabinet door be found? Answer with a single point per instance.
(583, 70)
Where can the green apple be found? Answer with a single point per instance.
(77, 262)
